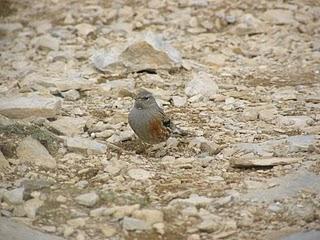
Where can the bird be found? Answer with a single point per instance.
(148, 120)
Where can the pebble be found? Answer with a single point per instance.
(132, 224)
(87, 199)
(71, 95)
(139, 174)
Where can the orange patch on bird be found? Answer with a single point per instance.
(157, 130)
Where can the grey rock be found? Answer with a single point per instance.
(139, 174)
(193, 199)
(150, 216)
(31, 207)
(4, 164)
(69, 126)
(87, 199)
(127, 83)
(286, 186)
(14, 196)
(17, 231)
(179, 101)
(84, 145)
(296, 122)
(29, 106)
(263, 162)
(279, 16)
(307, 235)
(47, 42)
(71, 95)
(85, 29)
(143, 53)
(31, 150)
(10, 27)
(202, 84)
(131, 224)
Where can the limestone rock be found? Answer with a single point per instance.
(139, 174)
(279, 16)
(148, 52)
(150, 216)
(71, 95)
(29, 106)
(87, 199)
(202, 83)
(47, 42)
(131, 224)
(4, 164)
(14, 196)
(31, 150)
(84, 145)
(69, 126)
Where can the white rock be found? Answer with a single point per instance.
(139, 174)
(127, 83)
(179, 101)
(31, 150)
(279, 16)
(31, 207)
(84, 29)
(10, 27)
(194, 199)
(144, 52)
(150, 216)
(250, 114)
(47, 42)
(131, 224)
(69, 126)
(84, 145)
(77, 222)
(284, 94)
(14, 196)
(87, 199)
(107, 230)
(297, 122)
(202, 83)
(29, 106)
(4, 164)
(71, 95)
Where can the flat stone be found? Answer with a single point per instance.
(194, 199)
(31, 207)
(296, 122)
(128, 83)
(4, 164)
(279, 16)
(85, 29)
(284, 94)
(263, 162)
(10, 27)
(285, 187)
(84, 145)
(107, 230)
(31, 150)
(202, 84)
(131, 224)
(179, 101)
(145, 52)
(17, 231)
(126, 210)
(71, 95)
(307, 235)
(69, 126)
(29, 106)
(139, 174)
(150, 216)
(87, 199)
(47, 42)
(14, 196)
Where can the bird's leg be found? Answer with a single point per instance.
(142, 147)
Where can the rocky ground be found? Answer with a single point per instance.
(242, 77)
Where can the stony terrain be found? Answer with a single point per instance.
(242, 77)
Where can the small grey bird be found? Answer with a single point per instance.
(149, 121)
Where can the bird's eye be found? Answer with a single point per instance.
(146, 98)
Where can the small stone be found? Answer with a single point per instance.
(31, 207)
(71, 95)
(4, 164)
(297, 122)
(159, 227)
(118, 85)
(284, 94)
(139, 174)
(263, 162)
(14, 196)
(279, 16)
(84, 145)
(49, 229)
(61, 199)
(126, 210)
(107, 230)
(250, 114)
(69, 126)
(194, 199)
(179, 101)
(31, 150)
(131, 224)
(208, 226)
(47, 42)
(82, 184)
(150, 216)
(268, 114)
(202, 83)
(77, 222)
(29, 106)
(98, 212)
(105, 134)
(87, 199)
(85, 29)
